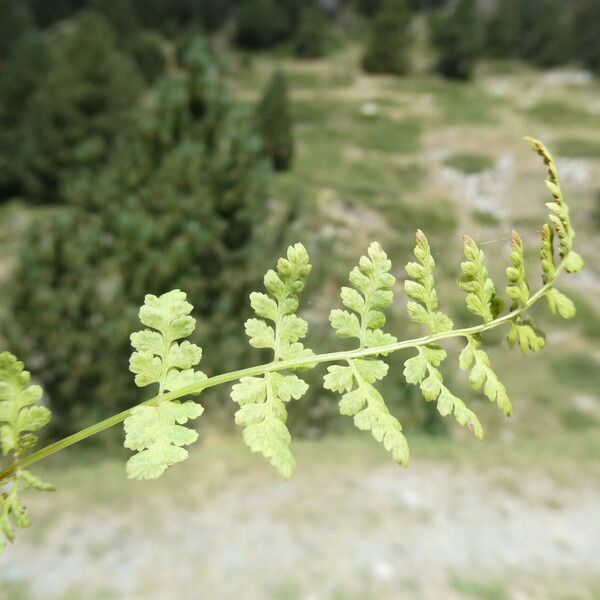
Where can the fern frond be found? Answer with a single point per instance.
(20, 417)
(482, 375)
(482, 299)
(156, 432)
(262, 411)
(372, 291)
(557, 301)
(518, 288)
(559, 210)
(421, 288)
(422, 369)
(163, 357)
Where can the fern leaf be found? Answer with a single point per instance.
(559, 210)
(20, 417)
(262, 413)
(517, 289)
(372, 291)
(482, 375)
(422, 369)
(476, 282)
(557, 301)
(156, 433)
(524, 334)
(421, 288)
(560, 304)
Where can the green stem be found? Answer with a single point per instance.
(279, 365)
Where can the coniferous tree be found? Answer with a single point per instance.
(21, 75)
(213, 14)
(456, 36)
(261, 24)
(120, 13)
(81, 102)
(46, 13)
(503, 30)
(311, 38)
(544, 32)
(179, 204)
(275, 124)
(389, 41)
(368, 7)
(145, 48)
(585, 34)
(14, 20)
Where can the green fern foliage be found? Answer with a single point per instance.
(371, 291)
(518, 288)
(475, 281)
(20, 417)
(422, 369)
(559, 210)
(522, 331)
(262, 412)
(558, 303)
(482, 375)
(156, 432)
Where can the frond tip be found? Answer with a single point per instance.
(559, 210)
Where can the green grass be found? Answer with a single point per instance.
(470, 163)
(553, 112)
(479, 591)
(435, 217)
(387, 135)
(458, 103)
(588, 317)
(578, 372)
(306, 111)
(577, 148)
(577, 420)
(411, 176)
(485, 218)
(464, 104)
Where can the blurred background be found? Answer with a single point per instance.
(147, 145)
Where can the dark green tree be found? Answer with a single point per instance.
(311, 38)
(14, 20)
(179, 204)
(585, 33)
(213, 14)
(544, 38)
(390, 40)
(120, 13)
(46, 12)
(503, 30)
(81, 103)
(146, 50)
(368, 7)
(456, 36)
(21, 75)
(275, 124)
(261, 24)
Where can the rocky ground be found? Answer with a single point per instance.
(349, 525)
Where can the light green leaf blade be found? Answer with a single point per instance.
(157, 433)
(262, 413)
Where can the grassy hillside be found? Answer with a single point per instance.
(380, 156)
(512, 517)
